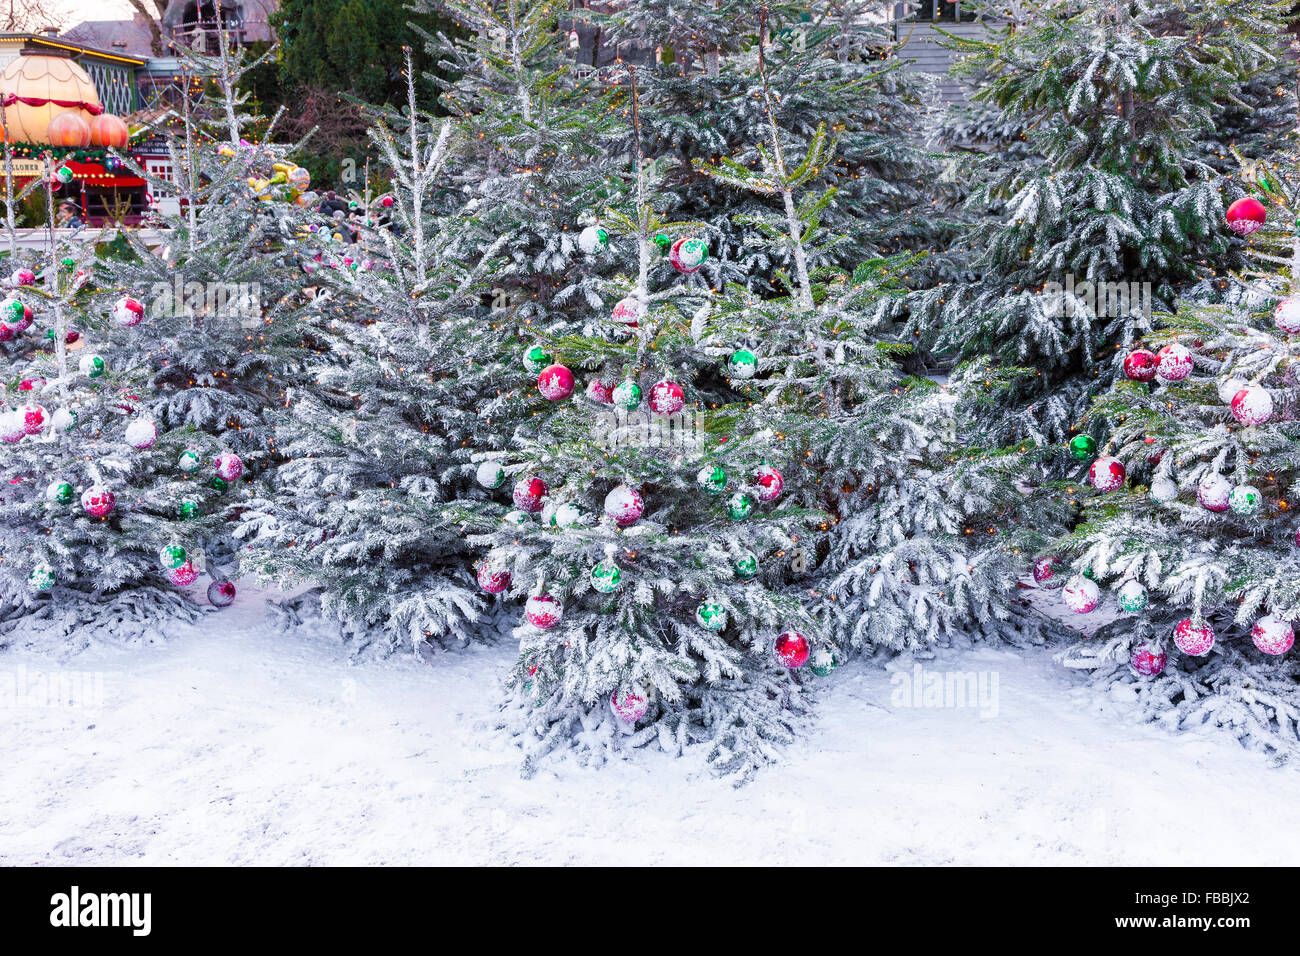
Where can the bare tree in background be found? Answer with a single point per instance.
(152, 11)
(30, 16)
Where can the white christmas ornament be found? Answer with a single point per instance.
(1230, 387)
(1252, 405)
(1272, 635)
(1164, 490)
(624, 505)
(592, 240)
(1082, 595)
(1287, 315)
(141, 434)
(1213, 492)
(490, 474)
(1245, 500)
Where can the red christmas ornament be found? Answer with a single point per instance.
(229, 466)
(529, 493)
(183, 576)
(98, 502)
(1107, 474)
(1148, 659)
(387, 202)
(792, 649)
(1246, 215)
(25, 322)
(769, 483)
(555, 383)
(1049, 572)
(543, 611)
(667, 398)
(1272, 635)
(598, 391)
(629, 706)
(492, 578)
(628, 312)
(221, 593)
(7, 332)
(1174, 362)
(1194, 638)
(128, 311)
(1140, 365)
(624, 505)
(34, 418)
(1252, 405)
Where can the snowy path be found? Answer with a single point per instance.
(246, 746)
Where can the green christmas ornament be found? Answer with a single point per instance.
(92, 366)
(62, 492)
(172, 556)
(188, 508)
(69, 262)
(13, 309)
(515, 517)
(742, 364)
(627, 395)
(711, 617)
(1132, 597)
(712, 479)
(606, 577)
(662, 241)
(536, 358)
(189, 462)
(746, 566)
(1083, 447)
(220, 484)
(740, 506)
(42, 578)
(64, 175)
(824, 660)
(1245, 500)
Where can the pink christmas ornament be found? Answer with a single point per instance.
(1252, 405)
(792, 649)
(1287, 315)
(1246, 215)
(1082, 595)
(1272, 635)
(492, 578)
(1213, 493)
(630, 706)
(543, 611)
(1140, 365)
(229, 466)
(1174, 362)
(1148, 659)
(183, 576)
(1107, 474)
(768, 483)
(528, 494)
(98, 502)
(555, 383)
(667, 398)
(624, 505)
(598, 391)
(34, 418)
(12, 427)
(1049, 572)
(1194, 637)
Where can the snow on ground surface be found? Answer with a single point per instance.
(242, 745)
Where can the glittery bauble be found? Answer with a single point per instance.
(627, 395)
(746, 566)
(536, 358)
(740, 506)
(792, 649)
(768, 483)
(662, 241)
(493, 578)
(630, 705)
(490, 474)
(628, 311)
(592, 240)
(1213, 492)
(64, 419)
(1083, 447)
(61, 491)
(568, 515)
(1245, 500)
(824, 660)
(667, 398)
(92, 366)
(1140, 365)
(1246, 215)
(1194, 637)
(543, 611)
(528, 494)
(183, 576)
(515, 517)
(41, 578)
(188, 508)
(12, 428)
(1107, 474)
(598, 391)
(555, 383)
(217, 483)
(712, 479)
(98, 502)
(1147, 659)
(128, 311)
(228, 466)
(711, 617)
(624, 505)
(1132, 596)
(1049, 572)
(688, 254)
(1272, 635)
(64, 175)
(24, 277)
(172, 556)
(1164, 490)
(1081, 595)
(1287, 315)
(141, 434)
(221, 593)
(189, 462)
(1174, 362)
(742, 364)
(34, 418)
(606, 577)
(1252, 405)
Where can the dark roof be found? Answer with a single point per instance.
(107, 34)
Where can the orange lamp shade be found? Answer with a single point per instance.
(69, 129)
(37, 89)
(109, 130)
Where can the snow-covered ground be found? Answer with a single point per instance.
(241, 745)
